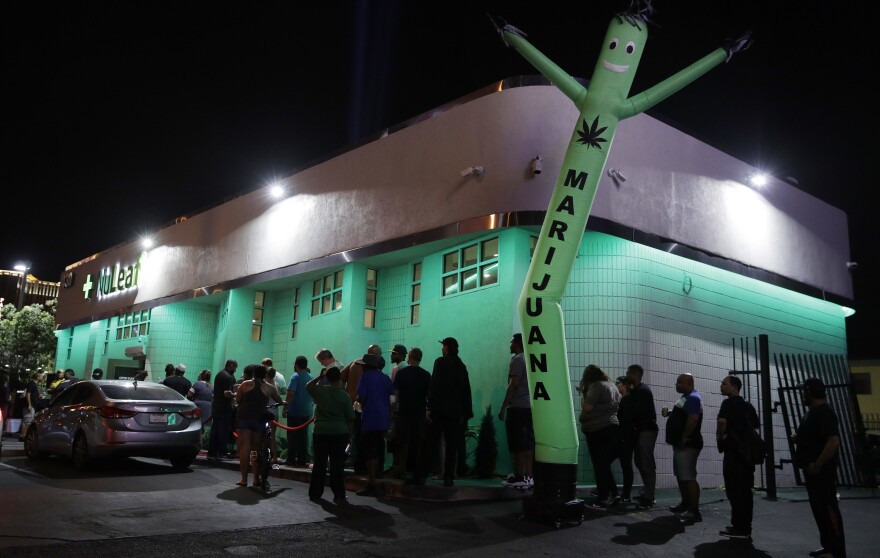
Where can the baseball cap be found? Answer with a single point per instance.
(181, 367)
(620, 380)
(399, 349)
(450, 342)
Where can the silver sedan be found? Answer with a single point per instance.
(99, 419)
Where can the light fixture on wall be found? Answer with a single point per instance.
(617, 176)
(757, 178)
(476, 170)
(535, 165)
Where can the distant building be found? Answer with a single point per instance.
(37, 291)
(427, 231)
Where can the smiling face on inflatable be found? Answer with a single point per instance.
(621, 52)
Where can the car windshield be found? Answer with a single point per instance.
(141, 391)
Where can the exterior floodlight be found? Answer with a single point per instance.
(23, 267)
(276, 190)
(757, 179)
(147, 242)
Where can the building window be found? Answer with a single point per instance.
(295, 321)
(533, 243)
(133, 325)
(257, 319)
(415, 294)
(371, 296)
(327, 294)
(471, 267)
(70, 343)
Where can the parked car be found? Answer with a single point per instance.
(100, 419)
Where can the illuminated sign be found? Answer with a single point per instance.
(113, 280)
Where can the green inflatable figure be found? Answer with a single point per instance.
(602, 105)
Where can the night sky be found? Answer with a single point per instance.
(121, 116)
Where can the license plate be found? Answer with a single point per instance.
(158, 418)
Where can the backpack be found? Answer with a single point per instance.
(753, 450)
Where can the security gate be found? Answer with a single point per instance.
(752, 362)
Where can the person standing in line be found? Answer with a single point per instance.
(411, 390)
(735, 420)
(599, 403)
(817, 449)
(334, 421)
(275, 376)
(326, 359)
(449, 409)
(169, 372)
(253, 397)
(178, 381)
(221, 411)
(626, 439)
(683, 434)
(97, 374)
(374, 395)
(350, 377)
(516, 413)
(398, 360)
(644, 422)
(298, 411)
(201, 394)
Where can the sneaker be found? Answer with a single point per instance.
(339, 501)
(818, 552)
(736, 534)
(509, 478)
(594, 492)
(645, 504)
(679, 508)
(597, 505)
(625, 500)
(521, 484)
(690, 516)
(530, 480)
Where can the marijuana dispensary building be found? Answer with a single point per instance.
(427, 231)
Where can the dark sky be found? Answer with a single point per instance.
(121, 116)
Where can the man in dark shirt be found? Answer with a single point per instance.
(449, 408)
(735, 418)
(221, 411)
(411, 388)
(818, 441)
(644, 422)
(178, 381)
(69, 379)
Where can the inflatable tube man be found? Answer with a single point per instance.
(602, 105)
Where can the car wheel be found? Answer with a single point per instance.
(182, 461)
(80, 452)
(31, 445)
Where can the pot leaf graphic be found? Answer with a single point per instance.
(589, 135)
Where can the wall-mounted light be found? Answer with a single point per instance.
(476, 170)
(147, 242)
(617, 176)
(536, 166)
(757, 178)
(276, 190)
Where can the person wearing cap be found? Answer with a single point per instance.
(351, 376)
(178, 381)
(816, 452)
(448, 411)
(97, 374)
(398, 360)
(374, 395)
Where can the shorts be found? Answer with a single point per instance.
(254, 425)
(372, 443)
(684, 463)
(520, 432)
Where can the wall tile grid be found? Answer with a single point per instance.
(182, 333)
(625, 304)
(392, 307)
(282, 323)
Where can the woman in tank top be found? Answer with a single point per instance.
(252, 397)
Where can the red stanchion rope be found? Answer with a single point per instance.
(275, 422)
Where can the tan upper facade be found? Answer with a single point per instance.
(408, 187)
